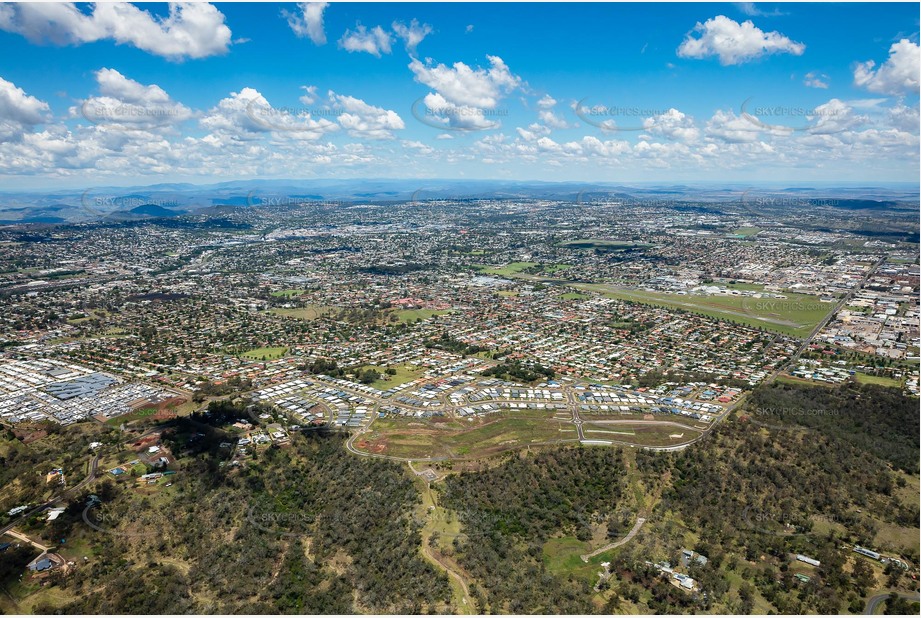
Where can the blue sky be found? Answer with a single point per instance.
(122, 94)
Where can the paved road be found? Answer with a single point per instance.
(636, 528)
(89, 478)
(875, 601)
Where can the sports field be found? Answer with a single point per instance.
(265, 353)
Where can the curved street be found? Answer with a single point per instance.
(876, 600)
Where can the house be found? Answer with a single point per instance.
(808, 560)
(687, 555)
(41, 565)
(44, 562)
(863, 551)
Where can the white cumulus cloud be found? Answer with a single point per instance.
(814, 79)
(375, 41)
(190, 30)
(898, 75)
(309, 96)
(363, 120)
(463, 85)
(308, 22)
(672, 124)
(412, 35)
(247, 115)
(125, 103)
(19, 112)
(735, 43)
(442, 113)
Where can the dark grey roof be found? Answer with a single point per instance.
(83, 386)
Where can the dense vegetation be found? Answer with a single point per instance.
(310, 528)
(514, 370)
(303, 529)
(875, 419)
(654, 378)
(449, 344)
(511, 510)
(756, 491)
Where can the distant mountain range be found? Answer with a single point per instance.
(175, 199)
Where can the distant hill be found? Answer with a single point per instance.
(153, 210)
(73, 205)
(144, 211)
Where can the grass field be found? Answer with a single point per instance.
(864, 378)
(507, 270)
(456, 439)
(33, 594)
(751, 287)
(310, 312)
(785, 379)
(131, 416)
(473, 437)
(411, 315)
(287, 293)
(265, 353)
(796, 315)
(747, 231)
(562, 558)
(507, 293)
(404, 374)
